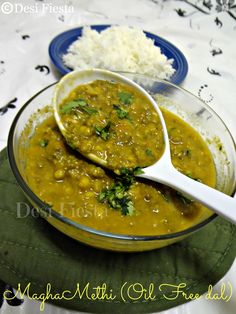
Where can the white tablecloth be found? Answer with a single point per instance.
(204, 30)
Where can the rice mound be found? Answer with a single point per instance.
(118, 48)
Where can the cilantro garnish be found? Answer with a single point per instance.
(103, 132)
(121, 113)
(127, 175)
(117, 195)
(148, 151)
(43, 143)
(80, 104)
(125, 98)
(117, 198)
(127, 208)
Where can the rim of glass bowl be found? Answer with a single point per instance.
(40, 204)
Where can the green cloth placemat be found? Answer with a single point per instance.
(32, 251)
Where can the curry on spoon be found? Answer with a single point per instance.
(106, 132)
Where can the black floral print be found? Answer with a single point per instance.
(25, 37)
(181, 12)
(204, 8)
(216, 51)
(226, 6)
(43, 68)
(9, 105)
(218, 22)
(209, 6)
(213, 72)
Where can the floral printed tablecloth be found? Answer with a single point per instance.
(204, 30)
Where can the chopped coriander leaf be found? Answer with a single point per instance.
(43, 143)
(103, 132)
(89, 110)
(148, 151)
(137, 171)
(125, 98)
(71, 105)
(121, 113)
(80, 104)
(127, 176)
(131, 172)
(127, 208)
(102, 196)
(117, 198)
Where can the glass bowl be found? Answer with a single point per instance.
(179, 101)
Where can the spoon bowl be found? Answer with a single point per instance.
(162, 171)
(72, 80)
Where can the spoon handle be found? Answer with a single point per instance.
(215, 200)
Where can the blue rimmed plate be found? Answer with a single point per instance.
(59, 45)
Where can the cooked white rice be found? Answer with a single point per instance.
(118, 48)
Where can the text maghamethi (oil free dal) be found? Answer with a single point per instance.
(127, 292)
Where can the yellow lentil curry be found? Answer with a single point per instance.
(113, 122)
(90, 195)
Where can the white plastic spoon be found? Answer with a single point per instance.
(163, 170)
